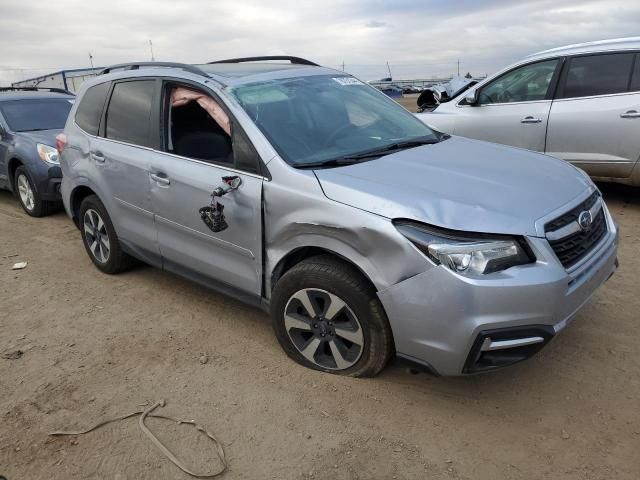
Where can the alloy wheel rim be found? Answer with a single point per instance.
(25, 192)
(96, 236)
(323, 329)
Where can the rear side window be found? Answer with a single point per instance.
(129, 112)
(89, 111)
(635, 79)
(597, 75)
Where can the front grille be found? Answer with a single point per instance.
(573, 214)
(573, 247)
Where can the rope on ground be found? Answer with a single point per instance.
(147, 413)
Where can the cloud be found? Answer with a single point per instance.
(375, 24)
(419, 38)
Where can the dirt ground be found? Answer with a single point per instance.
(97, 346)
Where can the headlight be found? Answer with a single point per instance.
(466, 253)
(48, 154)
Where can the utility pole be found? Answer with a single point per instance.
(343, 65)
(151, 48)
(389, 68)
(458, 67)
(91, 59)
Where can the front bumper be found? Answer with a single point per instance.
(49, 186)
(440, 318)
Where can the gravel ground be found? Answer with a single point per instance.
(96, 346)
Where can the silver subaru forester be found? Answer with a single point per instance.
(365, 233)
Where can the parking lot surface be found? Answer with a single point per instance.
(95, 346)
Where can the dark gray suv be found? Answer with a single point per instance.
(30, 119)
(365, 233)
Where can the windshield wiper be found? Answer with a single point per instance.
(386, 149)
(374, 153)
(334, 162)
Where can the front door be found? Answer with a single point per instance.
(513, 109)
(595, 118)
(210, 238)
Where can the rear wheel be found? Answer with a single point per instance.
(28, 195)
(327, 316)
(100, 239)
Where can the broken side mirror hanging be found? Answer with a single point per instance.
(212, 215)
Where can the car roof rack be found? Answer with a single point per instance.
(35, 89)
(138, 65)
(293, 60)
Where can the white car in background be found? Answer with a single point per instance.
(580, 103)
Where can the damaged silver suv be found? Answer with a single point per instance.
(365, 233)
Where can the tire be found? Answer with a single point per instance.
(100, 239)
(325, 281)
(28, 195)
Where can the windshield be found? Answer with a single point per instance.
(41, 114)
(314, 119)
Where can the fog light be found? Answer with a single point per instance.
(506, 346)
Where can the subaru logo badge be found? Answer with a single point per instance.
(585, 220)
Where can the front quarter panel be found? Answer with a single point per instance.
(441, 119)
(298, 214)
(24, 149)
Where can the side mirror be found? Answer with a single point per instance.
(231, 183)
(471, 98)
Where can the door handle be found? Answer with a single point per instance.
(160, 178)
(97, 156)
(530, 119)
(630, 114)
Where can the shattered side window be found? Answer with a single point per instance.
(198, 127)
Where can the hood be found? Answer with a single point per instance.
(47, 137)
(459, 184)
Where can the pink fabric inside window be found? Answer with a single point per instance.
(181, 96)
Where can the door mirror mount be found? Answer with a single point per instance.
(232, 183)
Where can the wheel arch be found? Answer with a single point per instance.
(12, 166)
(299, 254)
(78, 194)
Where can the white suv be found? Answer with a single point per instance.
(579, 103)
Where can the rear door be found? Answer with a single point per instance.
(512, 109)
(181, 182)
(122, 155)
(595, 118)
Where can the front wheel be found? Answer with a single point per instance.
(29, 196)
(327, 316)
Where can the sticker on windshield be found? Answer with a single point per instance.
(347, 81)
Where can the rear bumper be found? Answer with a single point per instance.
(442, 320)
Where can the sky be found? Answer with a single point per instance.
(419, 39)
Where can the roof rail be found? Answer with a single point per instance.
(138, 65)
(293, 60)
(35, 89)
